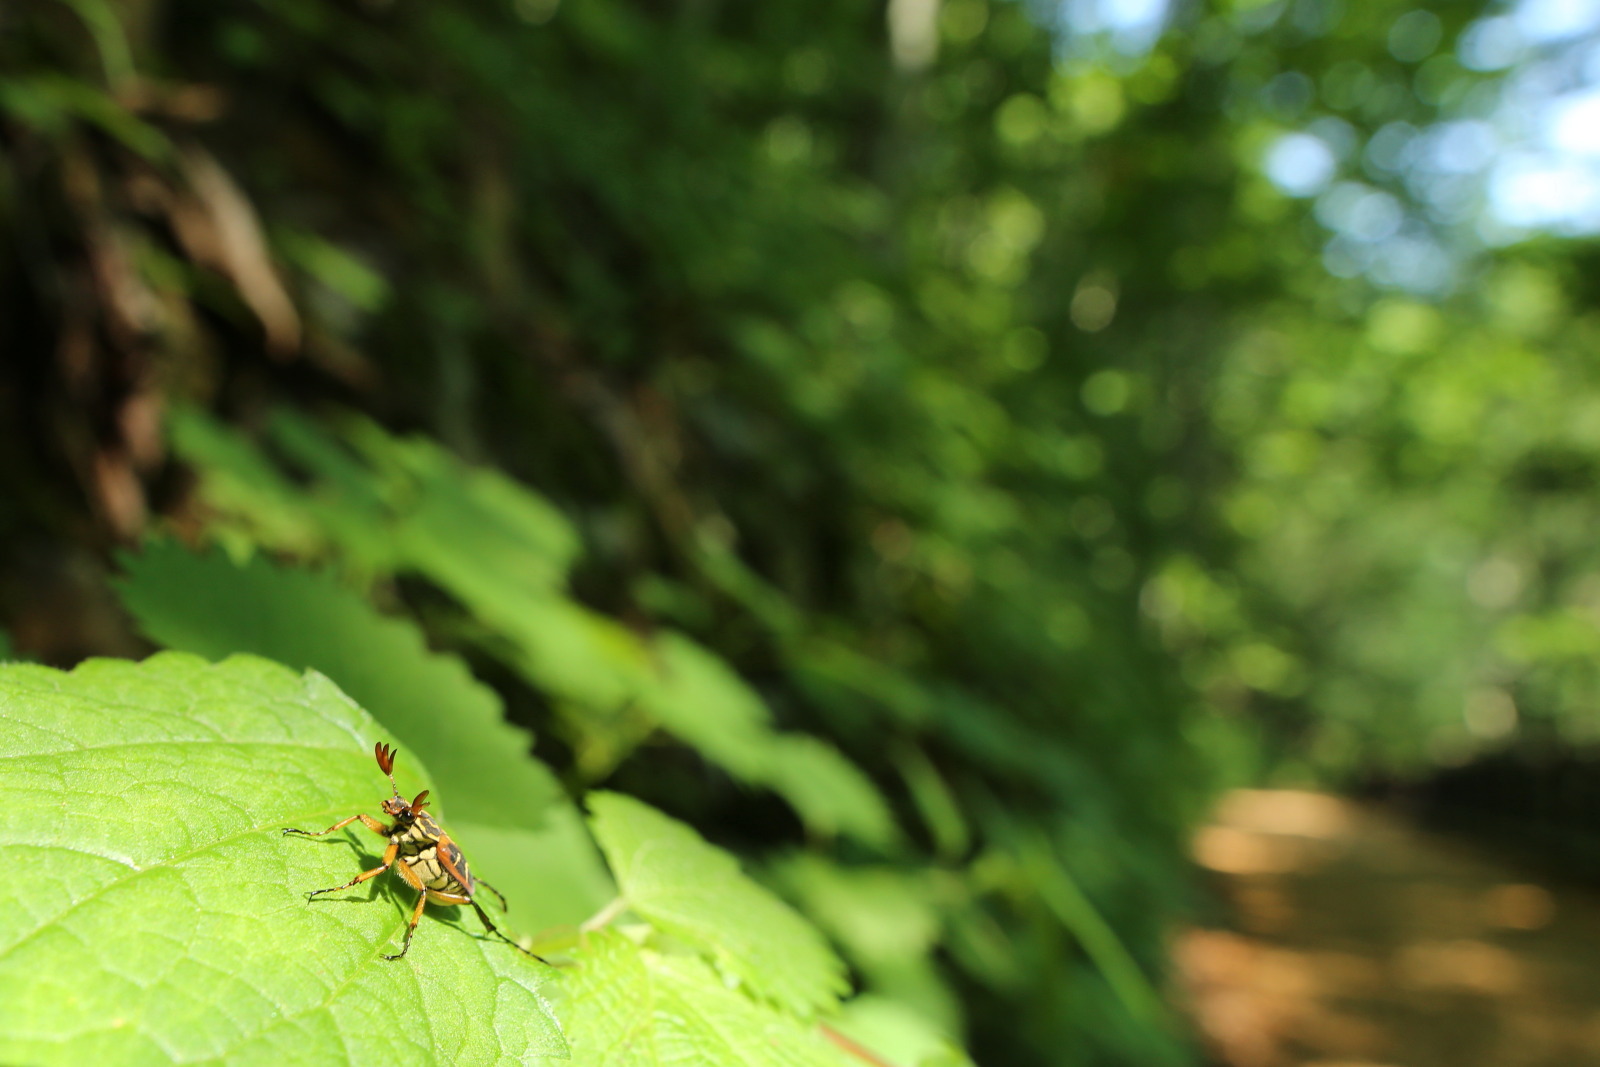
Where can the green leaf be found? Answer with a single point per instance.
(629, 1006)
(700, 699)
(899, 1034)
(1067, 900)
(831, 794)
(48, 101)
(242, 484)
(889, 922)
(697, 895)
(336, 268)
(428, 701)
(463, 523)
(503, 551)
(562, 647)
(208, 605)
(155, 913)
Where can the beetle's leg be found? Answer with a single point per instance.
(463, 898)
(388, 860)
(416, 917)
(410, 877)
(366, 820)
(491, 928)
(495, 891)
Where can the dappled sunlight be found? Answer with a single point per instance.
(1233, 851)
(1353, 938)
(1287, 811)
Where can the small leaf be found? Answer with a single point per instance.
(696, 894)
(632, 1007)
(466, 521)
(155, 913)
(241, 483)
(899, 1033)
(831, 794)
(703, 701)
(889, 923)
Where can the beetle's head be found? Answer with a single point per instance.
(397, 805)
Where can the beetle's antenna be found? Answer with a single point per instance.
(385, 757)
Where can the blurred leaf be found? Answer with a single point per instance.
(208, 605)
(936, 803)
(503, 552)
(889, 923)
(628, 1006)
(336, 268)
(49, 101)
(898, 1034)
(702, 701)
(697, 697)
(1072, 907)
(160, 915)
(831, 794)
(696, 894)
(239, 482)
(470, 528)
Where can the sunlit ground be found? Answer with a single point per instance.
(1354, 939)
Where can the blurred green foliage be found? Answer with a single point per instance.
(929, 459)
(1415, 512)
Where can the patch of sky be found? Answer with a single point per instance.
(1491, 44)
(1346, 258)
(1547, 175)
(1411, 260)
(1555, 20)
(1540, 191)
(1301, 164)
(1414, 260)
(1451, 198)
(1130, 27)
(1360, 212)
(1515, 154)
(1573, 125)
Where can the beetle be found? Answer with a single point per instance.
(421, 853)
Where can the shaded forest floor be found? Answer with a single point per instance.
(1348, 937)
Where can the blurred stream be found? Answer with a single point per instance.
(1349, 936)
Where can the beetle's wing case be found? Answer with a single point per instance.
(455, 864)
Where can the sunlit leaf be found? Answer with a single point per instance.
(633, 1007)
(696, 894)
(158, 914)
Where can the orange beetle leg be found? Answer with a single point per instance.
(366, 820)
(388, 861)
